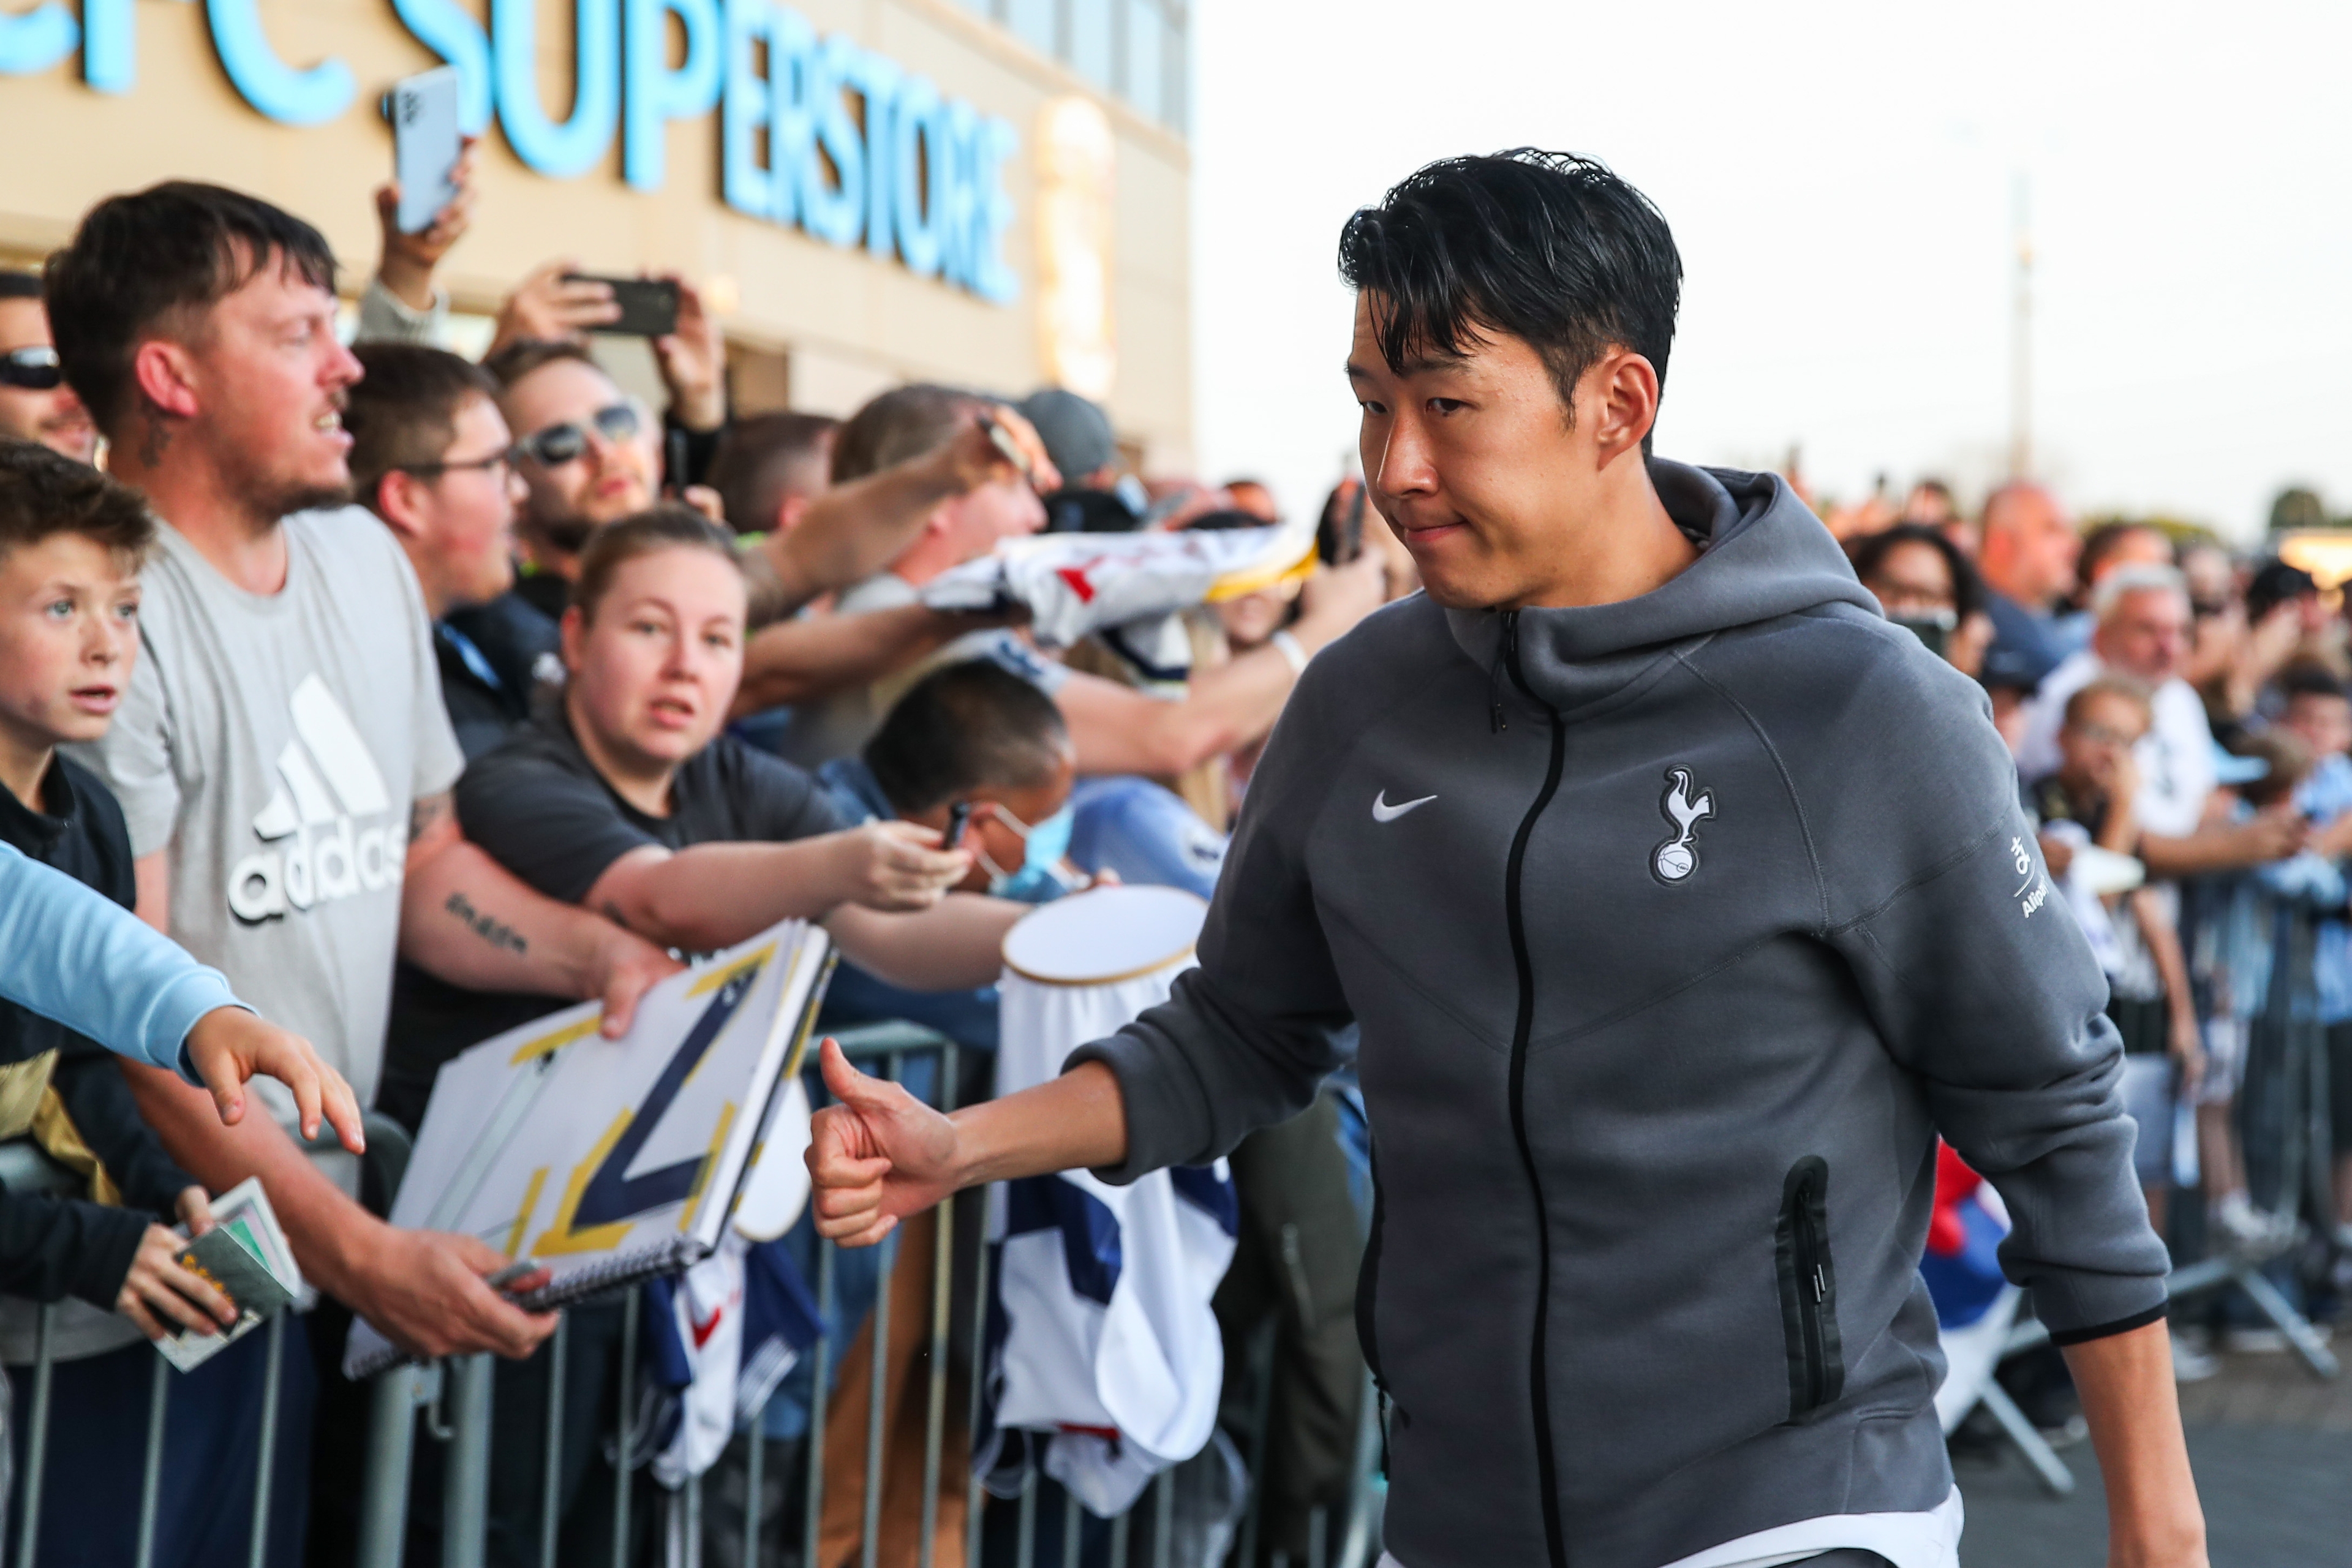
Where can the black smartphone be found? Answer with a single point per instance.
(648, 305)
(959, 818)
(1352, 542)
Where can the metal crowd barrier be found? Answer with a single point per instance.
(455, 1396)
(24, 1168)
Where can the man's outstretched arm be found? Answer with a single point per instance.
(879, 1155)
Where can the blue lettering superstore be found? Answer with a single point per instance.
(816, 134)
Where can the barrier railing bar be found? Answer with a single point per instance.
(466, 1467)
(975, 1498)
(551, 1485)
(820, 1384)
(36, 1445)
(1027, 1555)
(754, 1478)
(622, 1463)
(266, 1461)
(878, 1383)
(690, 1498)
(1163, 1520)
(1067, 1557)
(150, 1479)
(935, 1414)
(1118, 1528)
(392, 1441)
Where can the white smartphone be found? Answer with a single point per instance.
(426, 143)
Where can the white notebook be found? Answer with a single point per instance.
(608, 1162)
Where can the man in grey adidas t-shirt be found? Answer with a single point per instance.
(271, 749)
(283, 759)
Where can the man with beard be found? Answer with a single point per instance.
(283, 759)
(36, 404)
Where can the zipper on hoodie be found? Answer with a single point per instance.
(1538, 1375)
(1808, 1288)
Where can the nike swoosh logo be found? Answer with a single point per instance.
(1383, 811)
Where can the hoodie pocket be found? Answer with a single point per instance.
(1808, 1289)
(1368, 1285)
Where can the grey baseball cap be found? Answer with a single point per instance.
(1077, 432)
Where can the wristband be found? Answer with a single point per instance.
(1283, 642)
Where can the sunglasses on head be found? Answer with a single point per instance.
(32, 370)
(564, 443)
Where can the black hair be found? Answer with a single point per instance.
(140, 257)
(403, 412)
(42, 494)
(2309, 680)
(1547, 247)
(973, 725)
(16, 285)
(2275, 582)
(1870, 553)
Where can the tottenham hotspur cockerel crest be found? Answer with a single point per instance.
(1685, 806)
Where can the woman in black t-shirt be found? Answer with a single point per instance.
(625, 796)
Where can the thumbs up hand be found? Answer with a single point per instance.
(875, 1156)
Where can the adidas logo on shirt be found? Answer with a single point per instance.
(317, 848)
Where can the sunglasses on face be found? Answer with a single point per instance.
(561, 444)
(32, 370)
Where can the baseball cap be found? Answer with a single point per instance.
(1077, 432)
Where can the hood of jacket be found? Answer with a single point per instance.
(1762, 553)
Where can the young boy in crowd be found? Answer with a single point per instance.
(72, 542)
(2319, 713)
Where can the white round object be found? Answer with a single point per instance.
(778, 1185)
(1108, 935)
(2102, 872)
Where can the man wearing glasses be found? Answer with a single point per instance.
(36, 404)
(432, 455)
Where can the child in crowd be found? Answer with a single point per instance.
(2318, 711)
(72, 542)
(2085, 808)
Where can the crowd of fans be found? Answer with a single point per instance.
(447, 691)
(422, 694)
(2180, 722)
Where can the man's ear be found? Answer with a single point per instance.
(397, 499)
(1624, 402)
(165, 375)
(789, 511)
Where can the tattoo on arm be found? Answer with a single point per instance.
(425, 814)
(497, 933)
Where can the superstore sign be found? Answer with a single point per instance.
(816, 134)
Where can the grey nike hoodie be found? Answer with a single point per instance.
(1677, 929)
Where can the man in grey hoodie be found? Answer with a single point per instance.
(1682, 902)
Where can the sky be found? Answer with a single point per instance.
(1841, 182)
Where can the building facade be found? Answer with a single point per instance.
(992, 193)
